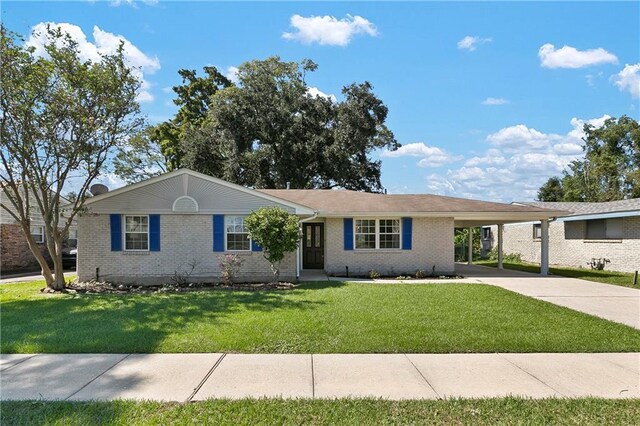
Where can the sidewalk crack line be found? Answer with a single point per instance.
(206, 377)
(99, 375)
(423, 377)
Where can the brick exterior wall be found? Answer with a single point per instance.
(15, 254)
(183, 239)
(568, 247)
(432, 244)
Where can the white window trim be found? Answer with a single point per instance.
(535, 227)
(124, 232)
(226, 243)
(41, 240)
(377, 226)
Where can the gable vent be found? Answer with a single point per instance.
(185, 204)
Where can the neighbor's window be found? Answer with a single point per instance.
(537, 231)
(486, 233)
(365, 233)
(377, 233)
(136, 233)
(37, 232)
(237, 235)
(602, 229)
(389, 233)
(72, 241)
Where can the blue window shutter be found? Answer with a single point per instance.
(348, 233)
(218, 232)
(407, 225)
(255, 246)
(116, 232)
(154, 232)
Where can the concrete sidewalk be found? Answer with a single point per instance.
(192, 377)
(608, 301)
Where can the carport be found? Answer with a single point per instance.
(519, 214)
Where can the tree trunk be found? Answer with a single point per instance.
(42, 261)
(58, 283)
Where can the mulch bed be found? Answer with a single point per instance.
(94, 287)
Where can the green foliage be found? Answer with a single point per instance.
(139, 158)
(373, 274)
(268, 130)
(506, 257)
(610, 169)
(420, 274)
(551, 191)
(461, 240)
(276, 231)
(62, 117)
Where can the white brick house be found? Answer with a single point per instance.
(609, 230)
(184, 221)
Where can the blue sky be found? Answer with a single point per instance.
(488, 99)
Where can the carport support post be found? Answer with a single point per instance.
(500, 228)
(544, 247)
(470, 254)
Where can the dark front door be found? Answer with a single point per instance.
(313, 245)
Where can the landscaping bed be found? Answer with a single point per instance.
(94, 287)
(320, 317)
(495, 411)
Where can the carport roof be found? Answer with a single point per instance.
(339, 203)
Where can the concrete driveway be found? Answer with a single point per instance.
(30, 276)
(612, 302)
(193, 377)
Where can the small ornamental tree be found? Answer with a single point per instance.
(276, 231)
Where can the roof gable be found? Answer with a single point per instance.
(159, 195)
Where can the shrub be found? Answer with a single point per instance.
(506, 257)
(598, 264)
(373, 274)
(230, 267)
(420, 274)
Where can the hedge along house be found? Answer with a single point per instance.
(182, 222)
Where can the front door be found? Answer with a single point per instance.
(313, 245)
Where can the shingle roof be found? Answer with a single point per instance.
(580, 208)
(345, 201)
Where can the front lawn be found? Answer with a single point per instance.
(323, 317)
(608, 277)
(505, 411)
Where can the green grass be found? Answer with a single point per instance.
(608, 277)
(505, 411)
(327, 317)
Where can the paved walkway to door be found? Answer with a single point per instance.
(612, 302)
(193, 377)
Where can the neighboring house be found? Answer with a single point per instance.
(609, 230)
(182, 222)
(15, 254)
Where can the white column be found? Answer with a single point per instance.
(470, 261)
(500, 229)
(544, 247)
(298, 254)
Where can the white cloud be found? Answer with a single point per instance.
(469, 43)
(495, 101)
(328, 30)
(520, 136)
(570, 57)
(232, 74)
(517, 161)
(315, 92)
(629, 80)
(132, 3)
(432, 156)
(104, 43)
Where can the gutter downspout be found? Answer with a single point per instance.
(315, 215)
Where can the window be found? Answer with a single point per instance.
(365, 233)
(389, 233)
(237, 235)
(537, 231)
(377, 233)
(486, 233)
(37, 232)
(72, 240)
(602, 229)
(136, 233)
